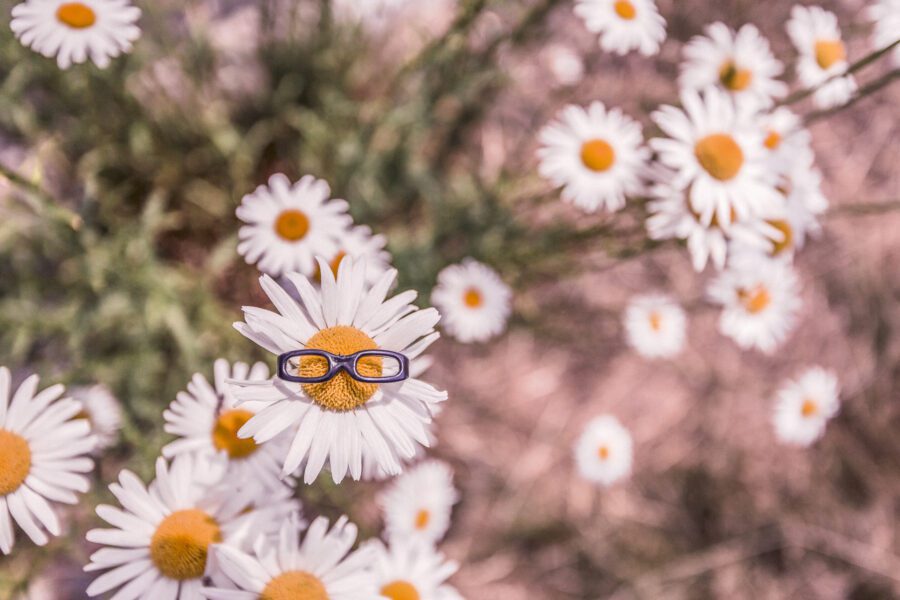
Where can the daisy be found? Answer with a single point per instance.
(43, 456)
(804, 407)
(359, 244)
(207, 419)
(823, 56)
(409, 571)
(102, 411)
(760, 299)
(473, 299)
(624, 25)
(564, 63)
(595, 155)
(417, 505)
(785, 139)
(341, 420)
(603, 453)
(655, 326)
(289, 224)
(717, 154)
(320, 567)
(885, 14)
(75, 31)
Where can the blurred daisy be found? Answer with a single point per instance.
(564, 63)
(741, 64)
(43, 456)
(804, 406)
(409, 571)
(417, 504)
(784, 139)
(102, 411)
(341, 420)
(359, 244)
(624, 25)
(320, 567)
(655, 326)
(75, 31)
(289, 224)
(885, 14)
(474, 301)
(595, 155)
(760, 299)
(603, 453)
(823, 56)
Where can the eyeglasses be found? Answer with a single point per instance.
(367, 366)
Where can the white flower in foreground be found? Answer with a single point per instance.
(406, 570)
(359, 244)
(885, 14)
(321, 567)
(805, 405)
(823, 56)
(474, 301)
(624, 25)
(760, 299)
(287, 225)
(341, 420)
(595, 155)
(76, 31)
(655, 326)
(43, 452)
(102, 410)
(740, 63)
(604, 451)
(417, 504)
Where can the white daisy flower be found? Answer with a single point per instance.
(804, 406)
(760, 299)
(564, 63)
(823, 56)
(740, 63)
(75, 31)
(595, 155)
(417, 504)
(785, 139)
(102, 410)
(43, 456)
(342, 419)
(885, 14)
(717, 154)
(474, 301)
(655, 326)
(287, 225)
(603, 453)
(359, 244)
(406, 570)
(320, 567)
(624, 25)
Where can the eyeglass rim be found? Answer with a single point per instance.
(340, 362)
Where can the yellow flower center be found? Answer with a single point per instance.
(76, 15)
(400, 590)
(294, 585)
(597, 155)
(341, 392)
(809, 408)
(655, 321)
(181, 543)
(734, 78)
(785, 228)
(422, 519)
(473, 298)
(773, 140)
(829, 52)
(720, 155)
(292, 225)
(755, 300)
(625, 9)
(224, 433)
(15, 461)
(603, 452)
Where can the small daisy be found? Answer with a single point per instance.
(604, 451)
(741, 64)
(75, 31)
(409, 571)
(43, 456)
(804, 407)
(289, 224)
(474, 301)
(595, 155)
(102, 411)
(760, 299)
(624, 25)
(717, 153)
(341, 420)
(785, 139)
(320, 567)
(417, 504)
(885, 14)
(655, 326)
(823, 56)
(564, 63)
(359, 244)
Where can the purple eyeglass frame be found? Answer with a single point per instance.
(340, 362)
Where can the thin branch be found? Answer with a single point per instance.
(861, 210)
(39, 200)
(866, 90)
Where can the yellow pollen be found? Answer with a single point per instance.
(829, 52)
(292, 225)
(15, 461)
(720, 155)
(76, 15)
(294, 585)
(785, 228)
(655, 321)
(473, 298)
(755, 300)
(603, 452)
(734, 78)
(773, 140)
(181, 543)
(341, 392)
(809, 408)
(224, 433)
(625, 9)
(400, 590)
(422, 519)
(597, 155)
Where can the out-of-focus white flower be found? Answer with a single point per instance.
(417, 504)
(564, 63)
(804, 406)
(655, 326)
(823, 56)
(406, 570)
(885, 14)
(359, 244)
(624, 25)
(785, 140)
(474, 301)
(102, 410)
(604, 452)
